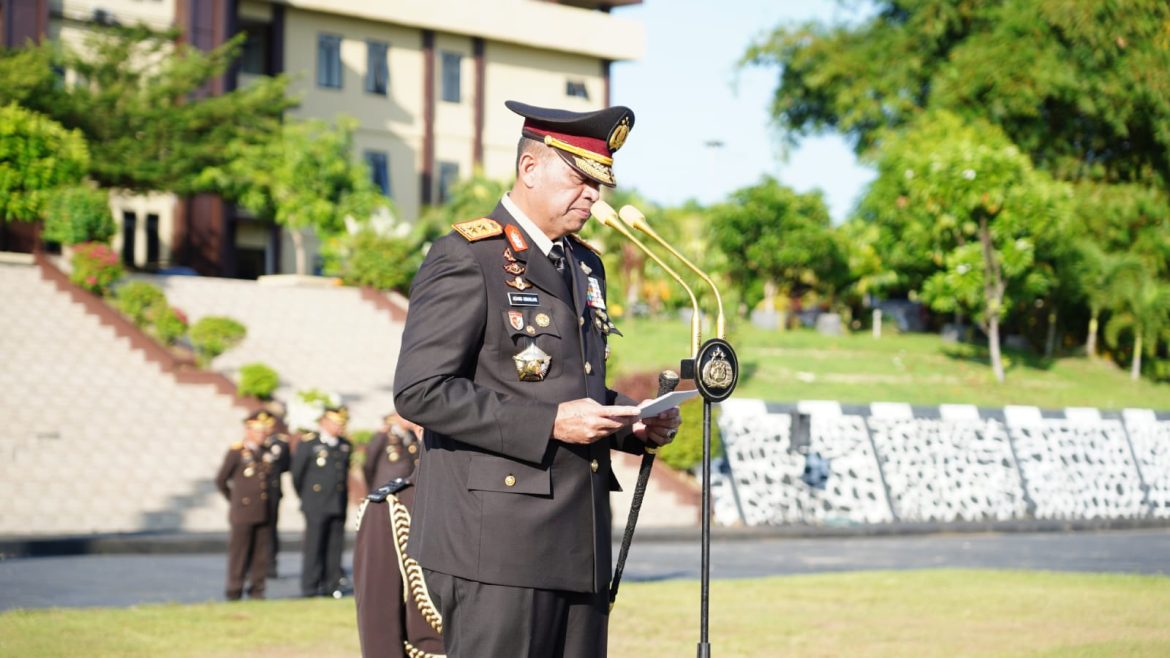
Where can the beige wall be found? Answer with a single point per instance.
(156, 13)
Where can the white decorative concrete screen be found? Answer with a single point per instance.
(889, 462)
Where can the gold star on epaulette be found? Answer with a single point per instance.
(478, 229)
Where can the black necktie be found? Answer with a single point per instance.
(559, 261)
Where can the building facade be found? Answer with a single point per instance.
(426, 81)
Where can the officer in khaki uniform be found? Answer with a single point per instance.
(392, 453)
(503, 362)
(320, 471)
(395, 613)
(244, 480)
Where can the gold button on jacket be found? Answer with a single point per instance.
(510, 480)
(593, 465)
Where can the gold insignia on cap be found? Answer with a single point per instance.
(618, 135)
(478, 229)
(542, 320)
(602, 173)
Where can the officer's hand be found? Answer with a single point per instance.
(585, 421)
(659, 430)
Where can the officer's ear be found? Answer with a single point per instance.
(528, 169)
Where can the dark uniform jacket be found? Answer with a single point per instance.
(280, 456)
(320, 475)
(498, 500)
(243, 479)
(395, 617)
(389, 456)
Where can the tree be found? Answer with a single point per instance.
(79, 214)
(38, 157)
(1079, 86)
(1143, 309)
(984, 206)
(776, 237)
(139, 99)
(305, 180)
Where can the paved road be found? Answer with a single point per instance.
(123, 580)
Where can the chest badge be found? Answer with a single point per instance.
(516, 319)
(518, 283)
(593, 296)
(542, 320)
(532, 364)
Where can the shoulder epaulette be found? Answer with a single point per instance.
(585, 243)
(394, 486)
(478, 229)
(237, 445)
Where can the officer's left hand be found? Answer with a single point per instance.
(659, 430)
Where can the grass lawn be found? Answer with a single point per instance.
(785, 366)
(904, 614)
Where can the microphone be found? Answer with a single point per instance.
(634, 217)
(609, 217)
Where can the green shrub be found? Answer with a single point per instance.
(214, 335)
(258, 380)
(169, 324)
(95, 267)
(140, 302)
(78, 214)
(381, 262)
(686, 451)
(38, 156)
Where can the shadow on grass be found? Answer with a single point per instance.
(1013, 358)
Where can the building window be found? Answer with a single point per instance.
(256, 58)
(379, 164)
(452, 63)
(448, 174)
(129, 231)
(576, 88)
(377, 67)
(153, 244)
(329, 61)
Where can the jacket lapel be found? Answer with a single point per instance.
(539, 270)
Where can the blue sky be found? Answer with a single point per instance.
(687, 92)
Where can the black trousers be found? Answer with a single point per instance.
(321, 564)
(497, 621)
(248, 553)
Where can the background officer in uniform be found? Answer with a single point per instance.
(277, 445)
(395, 614)
(244, 480)
(393, 452)
(503, 364)
(320, 471)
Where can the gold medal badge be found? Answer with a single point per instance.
(518, 283)
(532, 364)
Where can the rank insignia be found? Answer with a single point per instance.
(478, 229)
(513, 267)
(593, 296)
(508, 255)
(532, 364)
(518, 283)
(542, 320)
(515, 238)
(516, 319)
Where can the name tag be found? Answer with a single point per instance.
(523, 299)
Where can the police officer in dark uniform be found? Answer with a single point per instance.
(503, 363)
(395, 613)
(320, 471)
(392, 453)
(277, 445)
(244, 480)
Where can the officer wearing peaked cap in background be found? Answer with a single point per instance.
(244, 480)
(503, 364)
(320, 472)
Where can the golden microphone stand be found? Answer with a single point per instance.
(715, 369)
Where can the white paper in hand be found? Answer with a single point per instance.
(659, 404)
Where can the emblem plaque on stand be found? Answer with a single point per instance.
(716, 370)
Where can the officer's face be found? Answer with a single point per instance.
(566, 196)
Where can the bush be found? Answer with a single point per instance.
(78, 214)
(95, 267)
(214, 335)
(140, 302)
(37, 157)
(381, 262)
(258, 380)
(169, 324)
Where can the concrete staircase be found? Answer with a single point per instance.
(328, 338)
(96, 438)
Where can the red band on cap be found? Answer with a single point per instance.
(591, 144)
